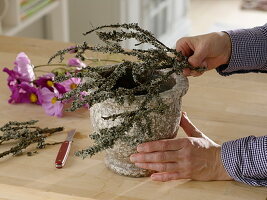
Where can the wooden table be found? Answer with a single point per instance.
(225, 108)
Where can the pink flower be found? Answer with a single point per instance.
(76, 63)
(71, 83)
(24, 93)
(21, 90)
(14, 79)
(50, 102)
(48, 82)
(24, 67)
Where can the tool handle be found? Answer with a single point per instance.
(63, 154)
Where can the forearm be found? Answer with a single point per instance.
(245, 160)
(249, 51)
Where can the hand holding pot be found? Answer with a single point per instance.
(209, 50)
(195, 157)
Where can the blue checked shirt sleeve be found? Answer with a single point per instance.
(245, 160)
(249, 51)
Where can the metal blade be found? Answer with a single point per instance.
(70, 135)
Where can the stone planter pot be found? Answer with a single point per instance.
(164, 126)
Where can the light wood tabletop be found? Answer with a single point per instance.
(224, 108)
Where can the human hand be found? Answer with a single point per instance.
(195, 157)
(209, 50)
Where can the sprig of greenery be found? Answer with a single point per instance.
(24, 134)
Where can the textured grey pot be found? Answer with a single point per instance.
(164, 126)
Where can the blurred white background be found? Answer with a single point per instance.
(66, 20)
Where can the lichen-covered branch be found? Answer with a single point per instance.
(24, 134)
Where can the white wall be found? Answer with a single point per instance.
(85, 13)
(35, 30)
(82, 15)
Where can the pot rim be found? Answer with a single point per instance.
(174, 75)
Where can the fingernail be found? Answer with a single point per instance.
(140, 148)
(133, 158)
(154, 177)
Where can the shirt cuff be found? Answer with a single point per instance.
(245, 160)
(249, 50)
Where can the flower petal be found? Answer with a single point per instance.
(77, 63)
(24, 67)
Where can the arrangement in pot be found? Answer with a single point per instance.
(132, 102)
